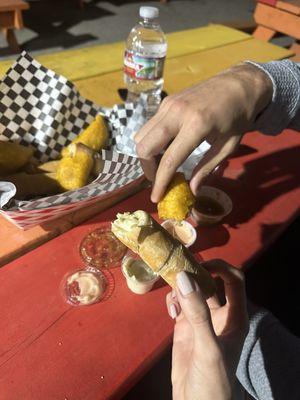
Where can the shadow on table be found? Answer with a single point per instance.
(210, 237)
(273, 280)
(156, 384)
(159, 284)
(272, 283)
(263, 180)
(52, 20)
(243, 150)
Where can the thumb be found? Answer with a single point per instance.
(195, 309)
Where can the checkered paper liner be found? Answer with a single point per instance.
(41, 109)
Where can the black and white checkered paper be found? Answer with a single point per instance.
(43, 110)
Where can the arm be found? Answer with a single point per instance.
(245, 97)
(219, 110)
(284, 109)
(269, 366)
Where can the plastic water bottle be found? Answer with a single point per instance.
(144, 58)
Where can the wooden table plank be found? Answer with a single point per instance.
(11, 19)
(278, 20)
(181, 72)
(292, 6)
(52, 351)
(9, 5)
(95, 60)
(20, 242)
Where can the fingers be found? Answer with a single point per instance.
(151, 140)
(173, 305)
(177, 124)
(233, 279)
(177, 152)
(213, 302)
(195, 309)
(221, 149)
(163, 109)
(151, 145)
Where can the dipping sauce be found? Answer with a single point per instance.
(139, 276)
(182, 231)
(85, 287)
(102, 248)
(212, 205)
(208, 206)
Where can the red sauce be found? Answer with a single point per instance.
(102, 248)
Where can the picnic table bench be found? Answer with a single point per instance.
(278, 16)
(11, 19)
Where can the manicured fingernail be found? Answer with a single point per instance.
(185, 283)
(173, 311)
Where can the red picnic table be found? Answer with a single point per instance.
(51, 350)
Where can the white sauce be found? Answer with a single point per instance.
(89, 286)
(139, 276)
(138, 270)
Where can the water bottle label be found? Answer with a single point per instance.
(141, 67)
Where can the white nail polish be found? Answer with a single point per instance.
(184, 283)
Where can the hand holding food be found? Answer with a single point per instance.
(208, 336)
(219, 110)
(164, 254)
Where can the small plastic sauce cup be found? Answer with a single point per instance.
(211, 206)
(182, 231)
(84, 287)
(139, 276)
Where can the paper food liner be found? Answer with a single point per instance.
(43, 110)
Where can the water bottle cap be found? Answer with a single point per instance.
(149, 12)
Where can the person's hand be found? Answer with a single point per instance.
(208, 336)
(219, 110)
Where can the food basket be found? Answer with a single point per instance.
(43, 110)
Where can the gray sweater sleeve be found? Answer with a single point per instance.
(269, 367)
(284, 110)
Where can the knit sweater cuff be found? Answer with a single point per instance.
(260, 321)
(285, 77)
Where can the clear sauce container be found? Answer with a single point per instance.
(139, 276)
(84, 287)
(212, 205)
(182, 231)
